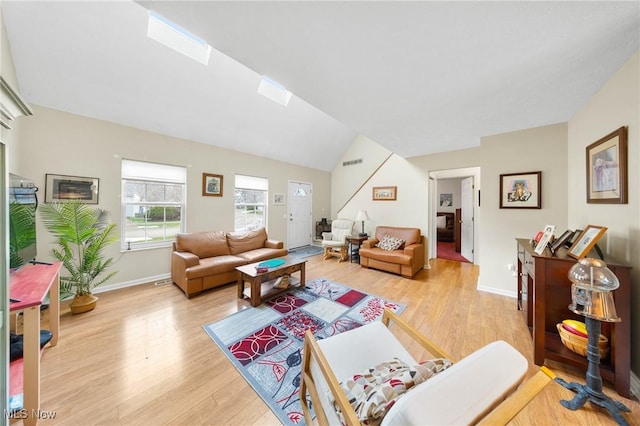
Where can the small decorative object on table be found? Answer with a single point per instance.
(282, 282)
(261, 269)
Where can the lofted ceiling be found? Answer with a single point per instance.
(416, 77)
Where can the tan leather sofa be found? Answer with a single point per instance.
(204, 260)
(406, 260)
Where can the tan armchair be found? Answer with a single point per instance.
(335, 242)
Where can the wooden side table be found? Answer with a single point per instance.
(29, 287)
(355, 241)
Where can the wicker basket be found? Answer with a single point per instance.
(578, 344)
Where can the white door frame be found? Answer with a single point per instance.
(433, 210)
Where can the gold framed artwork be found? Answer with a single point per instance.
(212, 185)
(385, 193)
(585, 242)
(607, 169)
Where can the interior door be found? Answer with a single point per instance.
(299, 214)
(466, 204)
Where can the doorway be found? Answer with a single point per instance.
(299, 214)
(454, 195)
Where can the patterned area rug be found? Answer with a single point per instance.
(265, 343)
(305, 251)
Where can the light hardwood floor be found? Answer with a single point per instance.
(142, 357)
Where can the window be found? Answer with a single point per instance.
(153, 204)
(251, 195)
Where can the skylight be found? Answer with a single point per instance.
(171, 35)
(274, 91)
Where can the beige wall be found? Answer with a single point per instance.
(539, 149)
(616, 104)
(408, 210)
(57, 142)
(347, 180)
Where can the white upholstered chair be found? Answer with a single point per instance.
(335, 242)
(471, 391)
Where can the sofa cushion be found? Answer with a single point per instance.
(409, 235)
(463, 393)
(214, 265)
(260, 254)
(203, 244)
(243, 241)
(389, 243)
(393, 256)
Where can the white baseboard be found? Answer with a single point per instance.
(155, 278)
(493, 290)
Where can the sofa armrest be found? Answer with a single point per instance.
(274, 244)
(327, 236)
(184, 259)
(416, 251)
(369, 243)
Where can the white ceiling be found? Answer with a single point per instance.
(415, 77)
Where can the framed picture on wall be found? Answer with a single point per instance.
(278, 198)
(607, 169)
(212, 185)
(446, 200)
(64, 189)
(384, 193)
(521, 190)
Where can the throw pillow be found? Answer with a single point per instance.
(390, 243)
(441, 222)
(373, 392)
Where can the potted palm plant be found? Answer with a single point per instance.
(82, 233)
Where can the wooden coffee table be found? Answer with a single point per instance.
(261, 283)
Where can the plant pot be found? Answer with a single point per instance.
(83, 303)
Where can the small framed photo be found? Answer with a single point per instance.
(212, 185)
(544, 240)
(521, 190)
(64, 189)
(278, 198)
(446, 200)
(560, 241)
(607, 169)
(585, 242)
(385, 193)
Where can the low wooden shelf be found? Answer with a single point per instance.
(544, 294)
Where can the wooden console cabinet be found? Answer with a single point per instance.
(544, 294)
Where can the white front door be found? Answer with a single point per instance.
(466, 204)
(299, 214)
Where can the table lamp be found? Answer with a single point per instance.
(362, 216)
(591, 296)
